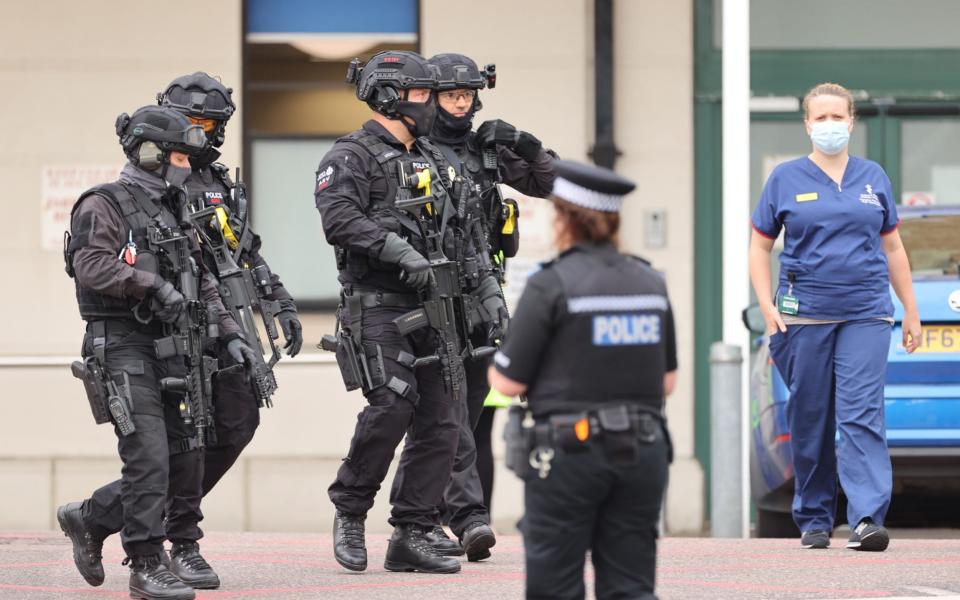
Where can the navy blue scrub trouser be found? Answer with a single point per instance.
(835, 373)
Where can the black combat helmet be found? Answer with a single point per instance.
(153, 132)
(385, 81)
(207, 102)
(456, 72)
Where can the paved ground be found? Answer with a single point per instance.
(297, 566)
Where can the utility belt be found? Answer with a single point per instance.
(361, 364)
(620, 430)
(110, 400)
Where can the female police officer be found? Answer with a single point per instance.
(830, 327)
(592, 344)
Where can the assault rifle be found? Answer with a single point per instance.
(185, 336)
(446, 307)
(242, 291)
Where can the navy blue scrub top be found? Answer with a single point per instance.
(832, 241)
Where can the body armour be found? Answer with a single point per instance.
(140, 213)
(606, 330)
(363, 269)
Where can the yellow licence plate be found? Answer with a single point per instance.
(940, 338)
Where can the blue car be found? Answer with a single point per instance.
(922, 391)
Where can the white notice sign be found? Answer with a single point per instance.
(59, 189)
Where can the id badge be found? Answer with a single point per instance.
(789, 305)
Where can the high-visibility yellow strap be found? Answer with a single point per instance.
(228, 234)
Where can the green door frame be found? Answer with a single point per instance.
(886, 77)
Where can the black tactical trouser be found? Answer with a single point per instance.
(589, 504)
(428, 412)
(235, 418)
(463, 497)
(135, 503)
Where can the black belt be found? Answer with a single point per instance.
(371, 298)
(110, 324)
(571, 430)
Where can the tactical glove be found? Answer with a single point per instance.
(241, 353)
(416, 268)
(292, 331)
(526, 145)
(497, 132)
(492, 310)
(167, 302)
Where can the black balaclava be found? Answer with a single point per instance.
(448, 129)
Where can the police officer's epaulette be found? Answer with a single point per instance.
(222, 171)
(639, 258)
(381, 151)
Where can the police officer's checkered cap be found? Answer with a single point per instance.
(590, 186)
(458, 72)
(199, 95)
(399, 69)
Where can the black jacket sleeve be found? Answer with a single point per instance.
(341, 193)
(530, 178)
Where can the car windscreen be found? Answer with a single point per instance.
(933, 245)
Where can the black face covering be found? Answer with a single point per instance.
(422, 114)
(207, 157)
(449, 129)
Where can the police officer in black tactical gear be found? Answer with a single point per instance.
(209, 189)
(391, 269)
(236, 415)
(496, 153)
(592, 345)
(148, 302)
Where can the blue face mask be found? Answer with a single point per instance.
(830, 137)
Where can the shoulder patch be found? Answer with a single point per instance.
(325, 177)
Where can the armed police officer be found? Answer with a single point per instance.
(231, 252)
(218, 212)
(497, 153)
(592, 345)
(391, 206)
(150, 307)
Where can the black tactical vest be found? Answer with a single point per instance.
(140, 213)
(610, 334)
(382, 209)
(213, 186)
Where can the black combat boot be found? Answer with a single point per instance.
(189, 566)
(348, 543)
(409, 550)
(477, 539)
(87, 548)
(444, 546)
(150, 580)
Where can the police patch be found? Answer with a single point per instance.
(626, 330)
(213, 198)
(324, 178)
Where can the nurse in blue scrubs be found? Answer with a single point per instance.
(831, 318)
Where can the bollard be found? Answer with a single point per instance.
(726, 490)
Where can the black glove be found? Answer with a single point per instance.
(497, 132)
(292, 331)
(526, 145)
(492, 309)
(241, 353)
(167, 302)
(416, 268)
